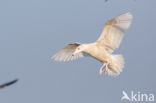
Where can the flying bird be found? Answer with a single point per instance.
(103, 48)
(8, 83)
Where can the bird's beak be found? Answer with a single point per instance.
(73, 54)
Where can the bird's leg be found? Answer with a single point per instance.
(106, 68)
(102, 69)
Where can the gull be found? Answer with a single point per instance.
(8, 83)
(102, 49)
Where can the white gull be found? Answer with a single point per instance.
(102, 49)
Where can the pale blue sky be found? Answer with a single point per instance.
(31, 31)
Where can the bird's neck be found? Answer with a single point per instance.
(88, 47)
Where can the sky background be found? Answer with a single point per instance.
(31, 31)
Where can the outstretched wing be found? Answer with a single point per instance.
(8, 83)
(114, 30)
(65, 54)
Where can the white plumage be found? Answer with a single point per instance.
(102, 49)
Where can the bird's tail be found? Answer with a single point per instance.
(116, 65)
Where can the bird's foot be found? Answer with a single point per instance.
(101, 70)
(106, 68)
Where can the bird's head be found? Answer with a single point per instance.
(79, 49)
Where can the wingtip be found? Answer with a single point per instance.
(54, 57)
(8, 83)
(13, 81)
(129, 14)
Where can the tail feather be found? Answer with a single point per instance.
(116, 65)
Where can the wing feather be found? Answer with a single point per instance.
(65, 54)
(114, 30)
(8, 83)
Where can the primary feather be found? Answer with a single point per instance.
(113, 31)
(65, 54)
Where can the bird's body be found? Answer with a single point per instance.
(94, 50)
(102, 49)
